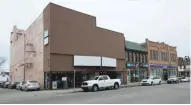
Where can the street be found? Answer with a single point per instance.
(158, 94)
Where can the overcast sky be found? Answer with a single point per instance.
(158, 20)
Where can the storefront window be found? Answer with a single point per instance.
(129, 75)
(143, 74)
(132, 73)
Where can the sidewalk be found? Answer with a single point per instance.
(64, 91)
(135, 84)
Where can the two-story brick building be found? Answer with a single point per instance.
(136, 53)
(162, 59)
(62, 41)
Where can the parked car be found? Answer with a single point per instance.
(12, 85)
(30, 85)
(6, 85)
(180, 78)
(2, 83)
(185, 79)
(100, 82)
(151, 80)
(19, 85)
(173, 79)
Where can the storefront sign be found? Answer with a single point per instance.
(134, 65)
(145, 65)
(54, 85)
(131, 65)
(162, 66)
(64, 78)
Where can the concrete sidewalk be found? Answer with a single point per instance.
(134, 84)
(64, 91)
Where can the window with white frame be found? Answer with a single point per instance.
(46, 36)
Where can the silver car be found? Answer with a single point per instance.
(18, 86)
(30, 85)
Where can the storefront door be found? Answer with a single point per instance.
(165, 74)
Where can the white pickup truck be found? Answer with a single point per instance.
(100, 82)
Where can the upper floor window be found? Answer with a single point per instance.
(134, 57)
(130, 56)
(173, 57)
(162, 56)
(138, 57)
(144, 58)
(154, 55)
(127, 56)
(141, 58)
(46, 36)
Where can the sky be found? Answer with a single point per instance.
(158, 20)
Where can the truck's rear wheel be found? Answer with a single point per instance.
(116, 86)
(94, 88)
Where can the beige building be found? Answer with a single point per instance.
(27, 46)
(162, 59)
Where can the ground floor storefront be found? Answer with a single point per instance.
(184, 73)
(65, 80)
(136, 74)
(163, 71)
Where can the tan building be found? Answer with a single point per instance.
(62, 40)
(162, 59)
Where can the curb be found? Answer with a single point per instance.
(77, 91)
(136, 85)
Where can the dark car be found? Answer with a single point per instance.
(1, 85)
(13, 85)
(6, 85)
(173, 79)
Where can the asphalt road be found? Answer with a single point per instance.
(159, 94)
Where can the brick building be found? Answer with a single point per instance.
(184, 66)
(162, 59)
(136, 53)
(62, 40)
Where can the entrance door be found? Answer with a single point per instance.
(165, 74)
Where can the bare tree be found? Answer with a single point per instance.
(2, 61)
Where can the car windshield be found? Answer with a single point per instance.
(33, 81)
(95, 78)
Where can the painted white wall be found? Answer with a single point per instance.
(109, 62)
(94, 61)
(87, 60)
